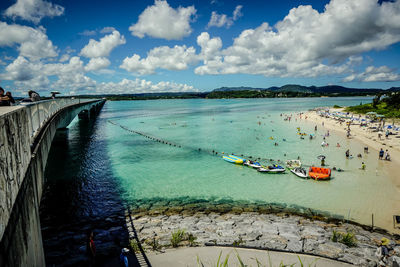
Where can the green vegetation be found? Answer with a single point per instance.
(134, 245)
(238, 242)
(154, 244)
(289, 90)
(225, 263)
(388, 106)
(335, 236)
(192, 239)
(345, 238)
(336, 106)
(177, 237)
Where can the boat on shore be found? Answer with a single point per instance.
(234, 159)
(300, 172)
(271, 169)
(319, 173)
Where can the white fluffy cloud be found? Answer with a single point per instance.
(309, 43)
(107, 30)
(162, 21)
(222, 20)
(176, 58)
(97, 64)
(127, 86)
(103, 47)
(33, 10)
(70, 77)
(33, 43)
(374, 74)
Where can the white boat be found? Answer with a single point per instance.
(252, 164)
(300, 172)
(293, 163)
(271, 169)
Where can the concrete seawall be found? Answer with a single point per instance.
(23, 161)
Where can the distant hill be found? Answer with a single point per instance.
(331, 89)
(289, 90)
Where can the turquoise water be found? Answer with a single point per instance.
(147, 170)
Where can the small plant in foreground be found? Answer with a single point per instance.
(349, 240)
(155, 246)
(191, 239)
(177, 237)
(134, 245)
(335, 236)
(345, 238)
(238, 242)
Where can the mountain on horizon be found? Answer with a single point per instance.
(307, 89)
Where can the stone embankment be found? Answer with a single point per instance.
(280, 232)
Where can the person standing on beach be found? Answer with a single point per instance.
(381, 153)
(347, 153)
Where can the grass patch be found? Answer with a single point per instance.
(238, 242)
(134, 245)
(336, 106)
(348, 239)
(191, 239)
(177, 237)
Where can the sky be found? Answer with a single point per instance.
(130, 46)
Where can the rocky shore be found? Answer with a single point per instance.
(281, 231)
(270, 226)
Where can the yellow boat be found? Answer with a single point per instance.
(234, 159)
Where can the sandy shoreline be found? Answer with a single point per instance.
(367, 137)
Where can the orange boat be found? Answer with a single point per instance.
(318, 173)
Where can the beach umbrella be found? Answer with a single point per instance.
(380, 116)
(390, 127)
(321, 157)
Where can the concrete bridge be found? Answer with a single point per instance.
(26, 133)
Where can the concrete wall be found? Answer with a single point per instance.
(22, 180)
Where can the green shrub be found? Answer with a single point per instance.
(335, 236)
(238, 242)
(177, 237)
(134, 245)
(336, 106)
(345, 238)
(192, 239)
(349, 240)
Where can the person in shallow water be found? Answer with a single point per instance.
(381, 152)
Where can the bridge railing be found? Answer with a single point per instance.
(41, 111)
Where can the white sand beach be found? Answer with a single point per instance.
(365, 134)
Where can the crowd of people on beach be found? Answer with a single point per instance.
(383, 154)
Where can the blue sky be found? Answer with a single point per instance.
(91, 47)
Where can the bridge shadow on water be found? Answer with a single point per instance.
(81, 195)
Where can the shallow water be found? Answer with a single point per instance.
(117, 168)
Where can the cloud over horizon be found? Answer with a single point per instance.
(162, 21)
(33, 10)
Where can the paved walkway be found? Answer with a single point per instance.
(209, 257)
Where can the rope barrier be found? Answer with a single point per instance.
(207, 151)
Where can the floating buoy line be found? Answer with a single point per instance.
(207, 151)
